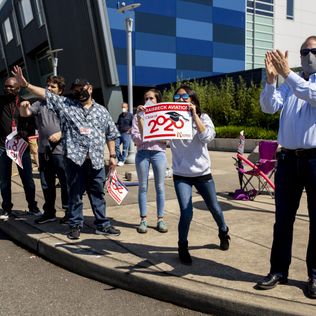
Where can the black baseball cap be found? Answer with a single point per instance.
(80, 82)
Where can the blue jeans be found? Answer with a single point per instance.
(25, 175)
(292, 176)
(85, 178)
(158, 161)
(207, 190)
(50, 166)
(124, 139)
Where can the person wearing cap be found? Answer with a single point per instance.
(51, 156)
(86, 127)
(296, 169)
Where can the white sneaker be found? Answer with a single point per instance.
(120, 163)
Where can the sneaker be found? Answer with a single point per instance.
(64, 220)
(4, 215)
(162, 227)
(120, 163)
(74, 233)
(45, 218)
(35, 212)
(110, 230)
(224, 239)
(142, 228)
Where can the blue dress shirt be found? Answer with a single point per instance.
(296, 99)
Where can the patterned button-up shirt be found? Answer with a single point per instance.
(85, 131)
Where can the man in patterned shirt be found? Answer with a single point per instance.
(86, 127)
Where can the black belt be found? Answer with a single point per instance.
(301, 152)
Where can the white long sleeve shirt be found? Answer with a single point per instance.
(190, 157)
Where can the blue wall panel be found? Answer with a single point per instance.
(194, 11)
(222, 65)
(155, 42)
(147, 76)
(194, 29)
(180, 39)
(229, 51)
(155, 59)
(238, 5)
(229, 17)
(189, 46)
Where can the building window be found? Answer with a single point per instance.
(26, 11)
(290, 9)
(7, 30)
(45, 65)
(260, 7)
(39, 12)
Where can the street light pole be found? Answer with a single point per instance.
(130, 159)
(122, 8)
(54, 53)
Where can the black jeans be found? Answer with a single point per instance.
(292, 176)
(25, 175)
(50, 166)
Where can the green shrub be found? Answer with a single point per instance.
(249, 132)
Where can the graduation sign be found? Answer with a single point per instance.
(167, 121)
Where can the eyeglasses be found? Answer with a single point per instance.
(183, 96)
(306, 51)
(149, 98)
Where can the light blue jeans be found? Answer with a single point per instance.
(158, 161)
(207, 190)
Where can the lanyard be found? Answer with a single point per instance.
(13, 110)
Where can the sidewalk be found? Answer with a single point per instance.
(218, 282)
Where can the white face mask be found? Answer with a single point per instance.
(309, 64)
(124, 110)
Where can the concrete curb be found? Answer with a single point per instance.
(188, 293)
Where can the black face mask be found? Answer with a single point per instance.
(81, 96)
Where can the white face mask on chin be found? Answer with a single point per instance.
(124, 110)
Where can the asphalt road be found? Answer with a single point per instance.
(29, 285)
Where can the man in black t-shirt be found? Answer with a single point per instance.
(124, 125)
(10, 120)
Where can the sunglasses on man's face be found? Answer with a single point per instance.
(183, 96)
(306, 51)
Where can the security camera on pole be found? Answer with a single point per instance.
(122, 8)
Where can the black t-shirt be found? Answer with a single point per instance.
(124, 122)
(10, 115)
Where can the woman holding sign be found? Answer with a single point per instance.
(191, 167)
(154, 153)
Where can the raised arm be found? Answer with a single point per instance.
(38, 91)
(25, 109)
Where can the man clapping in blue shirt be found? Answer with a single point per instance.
(296, 169)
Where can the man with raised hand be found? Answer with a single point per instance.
(86, 127)
(51, 156)
(296, 168)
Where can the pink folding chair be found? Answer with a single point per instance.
(262, 170)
